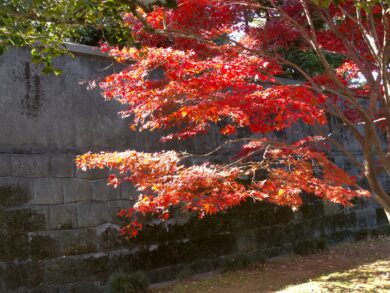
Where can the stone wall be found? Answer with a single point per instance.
(58, 229)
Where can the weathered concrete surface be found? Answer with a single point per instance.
(58, 229)
(43, 113)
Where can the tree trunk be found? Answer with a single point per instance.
(381, 197)
(379, 194)
(387, 212)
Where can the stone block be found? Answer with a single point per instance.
(364, 218)
(28, 275)
(76, 190)
(41, 211)
(62, 165)
(45, 288)
(13, 246)
(283, 215)
(339, 222)
(202, 265)
(343, 235)
(124, 261)
(101, 191)
(78, 241)
(263, 237)
(340, 161)
(109, 238)
(3, 225)
(246, 241)
(168, 273)
(92, 214)
(312, 210)
(83, 287)
(63, 216)
(128, 191)
(31, 165)
(250, 218)
(5, 165)
(44, 245)
(302, 230)
(331, 208)
(48, 191)
(277, 235)
(94, 174)
(24, 220)
(288, 233)
(15, 192)
(76, 268)
(2, 269)
(381, 217)
(115, 206)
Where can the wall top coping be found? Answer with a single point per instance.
(85, 50)
(95, 51)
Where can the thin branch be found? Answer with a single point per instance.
(247, 156)
(188, 155)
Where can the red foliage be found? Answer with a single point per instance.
(165, 183)
(185, 81)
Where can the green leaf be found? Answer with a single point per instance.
(57, 71)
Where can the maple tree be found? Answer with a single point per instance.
(214, 65)
(201, 64)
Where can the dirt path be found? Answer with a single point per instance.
(351, 267)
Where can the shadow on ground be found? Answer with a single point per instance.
(351, 267)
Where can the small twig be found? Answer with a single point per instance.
(187, 155)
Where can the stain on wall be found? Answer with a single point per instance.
(32, 101)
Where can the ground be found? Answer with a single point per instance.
(362, 266)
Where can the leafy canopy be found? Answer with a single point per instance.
(201, 64)
(209, 75)
(44, 25)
